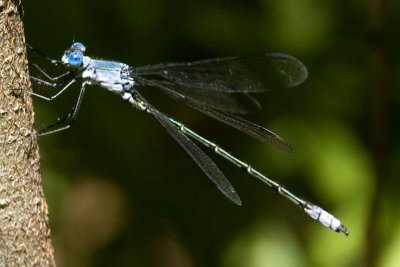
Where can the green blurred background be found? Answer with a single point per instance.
(122, 193)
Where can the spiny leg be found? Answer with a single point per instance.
(66, 83)
(63, 81)
(71, 115)
(67, 121)
(56, 79)
(66, 78)
(54, 85)
(40, 53)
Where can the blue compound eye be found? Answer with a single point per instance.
(75, 59)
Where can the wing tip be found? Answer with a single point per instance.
(237, 200)
(234, 197)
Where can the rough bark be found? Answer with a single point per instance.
(24, 228)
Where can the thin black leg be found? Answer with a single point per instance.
(56, 79)
(40, 53)
(54, 85)
(66, 122)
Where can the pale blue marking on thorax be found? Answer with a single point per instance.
(106, 65)
(107, 74)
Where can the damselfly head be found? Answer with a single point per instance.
(73, 57)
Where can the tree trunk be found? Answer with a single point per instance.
(24, 227)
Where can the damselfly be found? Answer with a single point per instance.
(217, 87)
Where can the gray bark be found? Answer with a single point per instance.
(24, 227)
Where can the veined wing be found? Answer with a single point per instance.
(232, 74)
(201, 159)
(252, 129)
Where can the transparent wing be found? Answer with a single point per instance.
(252, 129)
(201, 159)
(231, 74)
